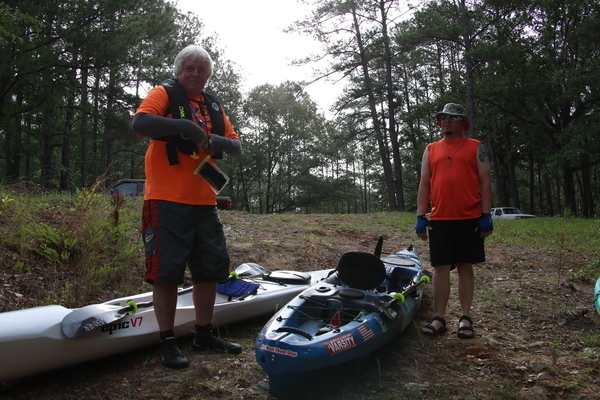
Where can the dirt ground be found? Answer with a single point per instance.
(537, 332)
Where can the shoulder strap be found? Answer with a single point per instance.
(216, 114)
(178, 99)
(216, 118)
(179, 109)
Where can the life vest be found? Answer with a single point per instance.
(179, 108)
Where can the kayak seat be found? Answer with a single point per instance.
(361, 270)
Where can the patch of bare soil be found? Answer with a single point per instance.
(537, 332)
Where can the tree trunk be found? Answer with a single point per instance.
(531, 184)
(510, 166)
(586, 186)
(387, 167)
(66, 145)
(14, 148)
(467, 41)
(548, 191)
(47, 146)
(569, 189)
(108, 136)
(399, 180)
(83, 130)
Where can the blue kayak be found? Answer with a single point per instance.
(362, 305)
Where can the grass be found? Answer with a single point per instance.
(557, 234)
(85, 247)
(96, 237)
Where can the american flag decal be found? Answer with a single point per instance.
(365, 332)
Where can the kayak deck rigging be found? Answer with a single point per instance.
(363, 304)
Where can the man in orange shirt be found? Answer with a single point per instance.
(456, 182)
(181, 226)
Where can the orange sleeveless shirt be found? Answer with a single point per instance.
(454, 179)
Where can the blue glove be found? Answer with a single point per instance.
(485, 223)
(422, 224)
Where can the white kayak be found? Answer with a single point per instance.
(33, 340)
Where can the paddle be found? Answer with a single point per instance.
(87, 319)
(389, 304)
(423, 280)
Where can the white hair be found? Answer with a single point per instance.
(196, 53)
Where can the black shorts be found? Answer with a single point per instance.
(455, 242)
(178, 235)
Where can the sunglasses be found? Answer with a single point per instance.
(450, 117)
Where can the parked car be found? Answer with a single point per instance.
(509, 213)
(137, 187)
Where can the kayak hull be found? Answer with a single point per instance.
(32, 340)
(329, 324)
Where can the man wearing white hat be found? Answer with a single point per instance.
(456, 183)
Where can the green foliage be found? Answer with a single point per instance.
(589, 272)
(527, 71)
(77, 235)
(568, 234)
(82, 253)
(4, 200)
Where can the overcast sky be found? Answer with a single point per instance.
(251, 34)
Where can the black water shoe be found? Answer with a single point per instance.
(169, 353)
(205, 340)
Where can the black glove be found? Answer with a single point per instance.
(156, 126)
(217, 144)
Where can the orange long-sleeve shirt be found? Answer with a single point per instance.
(176, 183)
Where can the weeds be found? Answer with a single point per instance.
(589, 272)
(90, 238)
(561, 243)
(4, 200)
(95, 238)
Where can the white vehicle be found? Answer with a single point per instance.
(509, 213)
